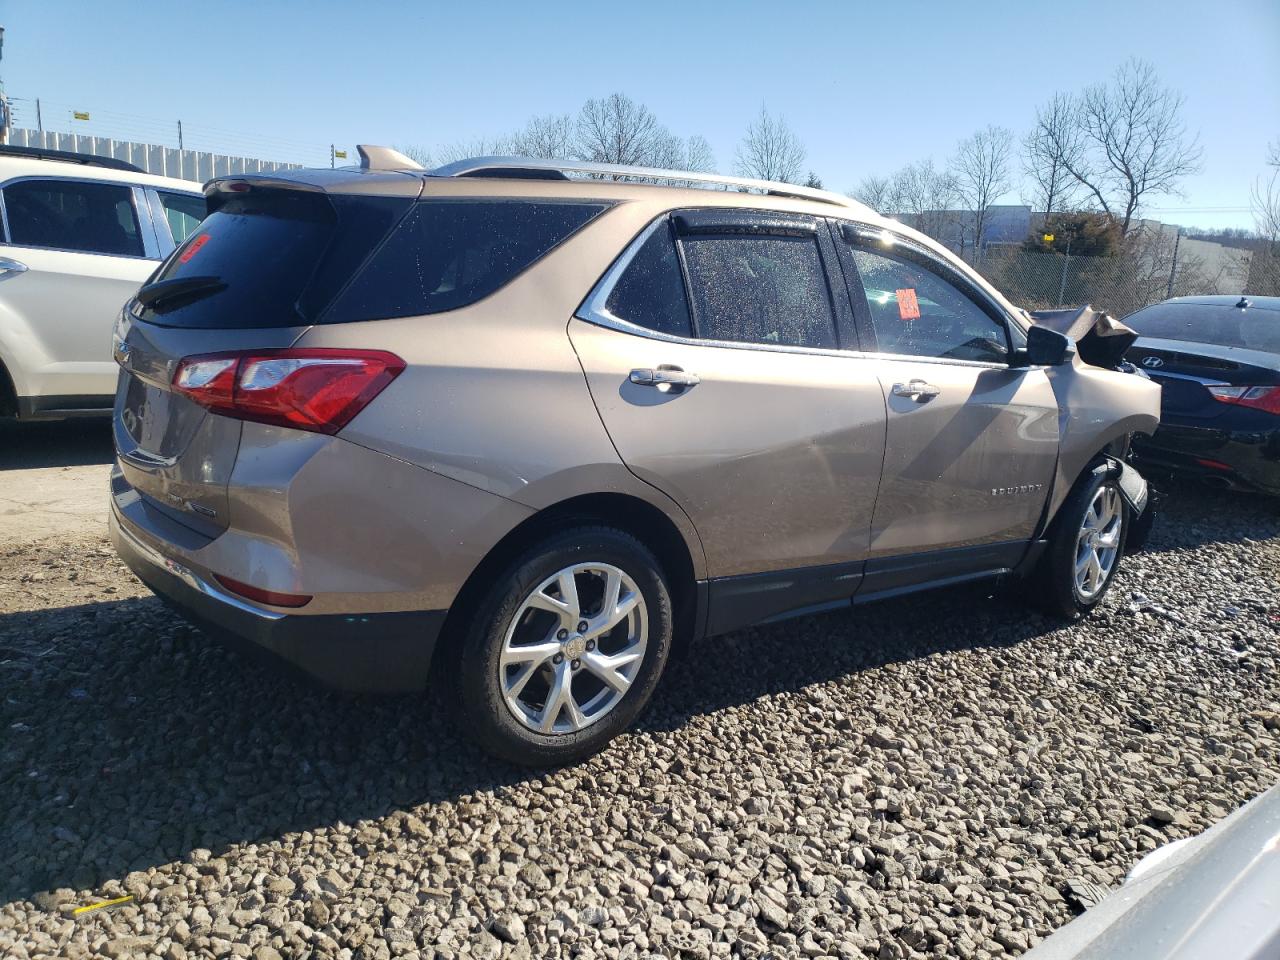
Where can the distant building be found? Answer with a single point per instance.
(956, 229)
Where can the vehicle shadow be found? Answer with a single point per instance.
(214, 750)
(55, 443)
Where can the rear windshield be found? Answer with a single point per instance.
(450, 253)
(273, 258)
(1252, 328)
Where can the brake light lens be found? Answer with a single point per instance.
(320, 390)
(1259, 398)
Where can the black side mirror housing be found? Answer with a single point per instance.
(1045, 348)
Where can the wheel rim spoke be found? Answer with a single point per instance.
(556, 679)
(609, 668)
(1098, 542)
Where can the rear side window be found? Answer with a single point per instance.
(267, 258)
(183, 212)
(759, 289)
(447, 254)
(650, 293)
(76, 215)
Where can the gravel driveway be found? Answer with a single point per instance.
(946, 775)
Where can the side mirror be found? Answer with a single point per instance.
(1045, 348)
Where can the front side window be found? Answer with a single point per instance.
(650, 292)
(917, 313)
(448, 254)
(76, 215)
(761, 289)
(184, 213)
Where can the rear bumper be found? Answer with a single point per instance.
(369, 653)
(1248, 459)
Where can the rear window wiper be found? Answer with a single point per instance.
(186, 288)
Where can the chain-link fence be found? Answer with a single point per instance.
(1142, 273)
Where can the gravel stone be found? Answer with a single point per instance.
(950, 777)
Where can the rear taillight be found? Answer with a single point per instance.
(318, 389)
(1260, 398)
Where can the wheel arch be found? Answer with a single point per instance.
(638, 517)
(8, 392)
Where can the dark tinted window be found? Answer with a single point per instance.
(917, 313)
(273, 258)
(1253, 328)
(73, 215)
(650, 292)
(759, 289)
(447, 254)
(184, 213)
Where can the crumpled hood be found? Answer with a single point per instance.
(1101, 339)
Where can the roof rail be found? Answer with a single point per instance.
(525, 167)
(67, 156)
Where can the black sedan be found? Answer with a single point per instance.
(1218, 360)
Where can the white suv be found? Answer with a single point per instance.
(80, 233)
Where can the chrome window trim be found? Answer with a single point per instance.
(594, 311)
(146, 224)
(4, 219)
(159, 217)
(131, 187)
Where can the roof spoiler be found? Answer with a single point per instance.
(384, 158)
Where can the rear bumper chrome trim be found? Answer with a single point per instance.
(172, 567)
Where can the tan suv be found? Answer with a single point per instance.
(533, 423)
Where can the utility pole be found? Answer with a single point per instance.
(331, 156)
(1173, 268)
(1062, 284)
(39, 121)
(179, 134)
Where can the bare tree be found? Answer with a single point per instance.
(549, 137)
(418, 154)
(924, 196)
(698, 155)
(1265, 197)
(1048, 151)
(616, 129)
(770, 151)
(1133, 142)
(476, 147)
(981, 173)
(875, 192)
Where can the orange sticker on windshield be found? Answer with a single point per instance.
(908, 306)
(192, 250)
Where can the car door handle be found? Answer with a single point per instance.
(9, 265)
(920, 391)
(667, 378)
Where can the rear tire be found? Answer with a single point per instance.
(1085, 547)
(549, 671)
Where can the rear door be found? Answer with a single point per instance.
(79, 249)
(745, 409)
(972, 443)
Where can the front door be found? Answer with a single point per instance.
(744, 410)
(972, 442)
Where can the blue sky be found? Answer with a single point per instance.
(867, 86)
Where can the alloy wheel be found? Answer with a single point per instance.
(1098, 543)
(573, 648)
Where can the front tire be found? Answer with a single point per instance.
(1085, 547)
(566, 648)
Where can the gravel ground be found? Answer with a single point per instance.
(941, 778)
